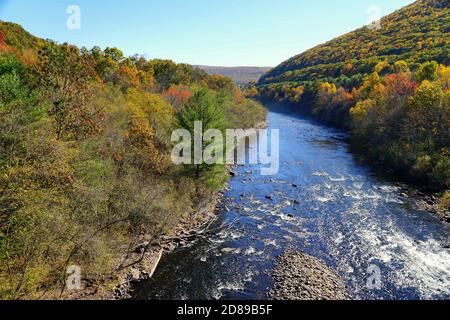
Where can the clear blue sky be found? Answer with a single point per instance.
(210, 32)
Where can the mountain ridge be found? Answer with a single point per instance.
(240, 74)
(415, 33)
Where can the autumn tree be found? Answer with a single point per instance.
(126, 77)
(428, 71)
(401, 66)
(141, 146)
(251, 92)
(165, 73)
(159, 113)
(428, 116)
(66, 79)
(114, 54)
(178, 96)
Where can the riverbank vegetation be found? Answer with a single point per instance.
(389, 86)
(85, 169)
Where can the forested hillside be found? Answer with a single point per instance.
(415, 34)
(390, 87)
(85, 169)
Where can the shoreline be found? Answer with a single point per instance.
(117, 286)
(426, 198)
(188, 230)
(195, 224)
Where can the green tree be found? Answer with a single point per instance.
(401, 66)
(165, 73)
(204, 107)
(428, 71)
(18, 108)
(114, 54)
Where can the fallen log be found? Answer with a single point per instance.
(156, 263)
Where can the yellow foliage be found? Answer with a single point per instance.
(155, 109)
(360, 111)
(444, 77)
(329, 88)
(381, 66)
(444, 201)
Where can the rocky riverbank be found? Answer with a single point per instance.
(299, 276)
(194, 226)
(429, 203)
(147, 255)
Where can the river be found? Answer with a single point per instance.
(339, 211)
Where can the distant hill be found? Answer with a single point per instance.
(15, 40)
(416, 33)
(241, 75)
(390, 86)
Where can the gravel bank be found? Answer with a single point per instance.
(299, 276)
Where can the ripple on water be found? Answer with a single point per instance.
(406, 262)
(270, 243)
(323, 199)
(338, 178)
(423, 264)
(231, 250)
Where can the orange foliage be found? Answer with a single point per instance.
(400, 84)
(4, 47)
(178, 96)
(2, 38)
(238, 96)
(347, 68)
(29, 58)
(342, 97)
(127, 77)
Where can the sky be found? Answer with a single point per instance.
(199, 32)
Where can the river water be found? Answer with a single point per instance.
(340, 211)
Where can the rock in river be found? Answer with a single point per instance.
(299, 276)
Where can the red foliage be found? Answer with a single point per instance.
(400, 84)
(2, 38)
(4, 47)
(69, 179)
(178, 96)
